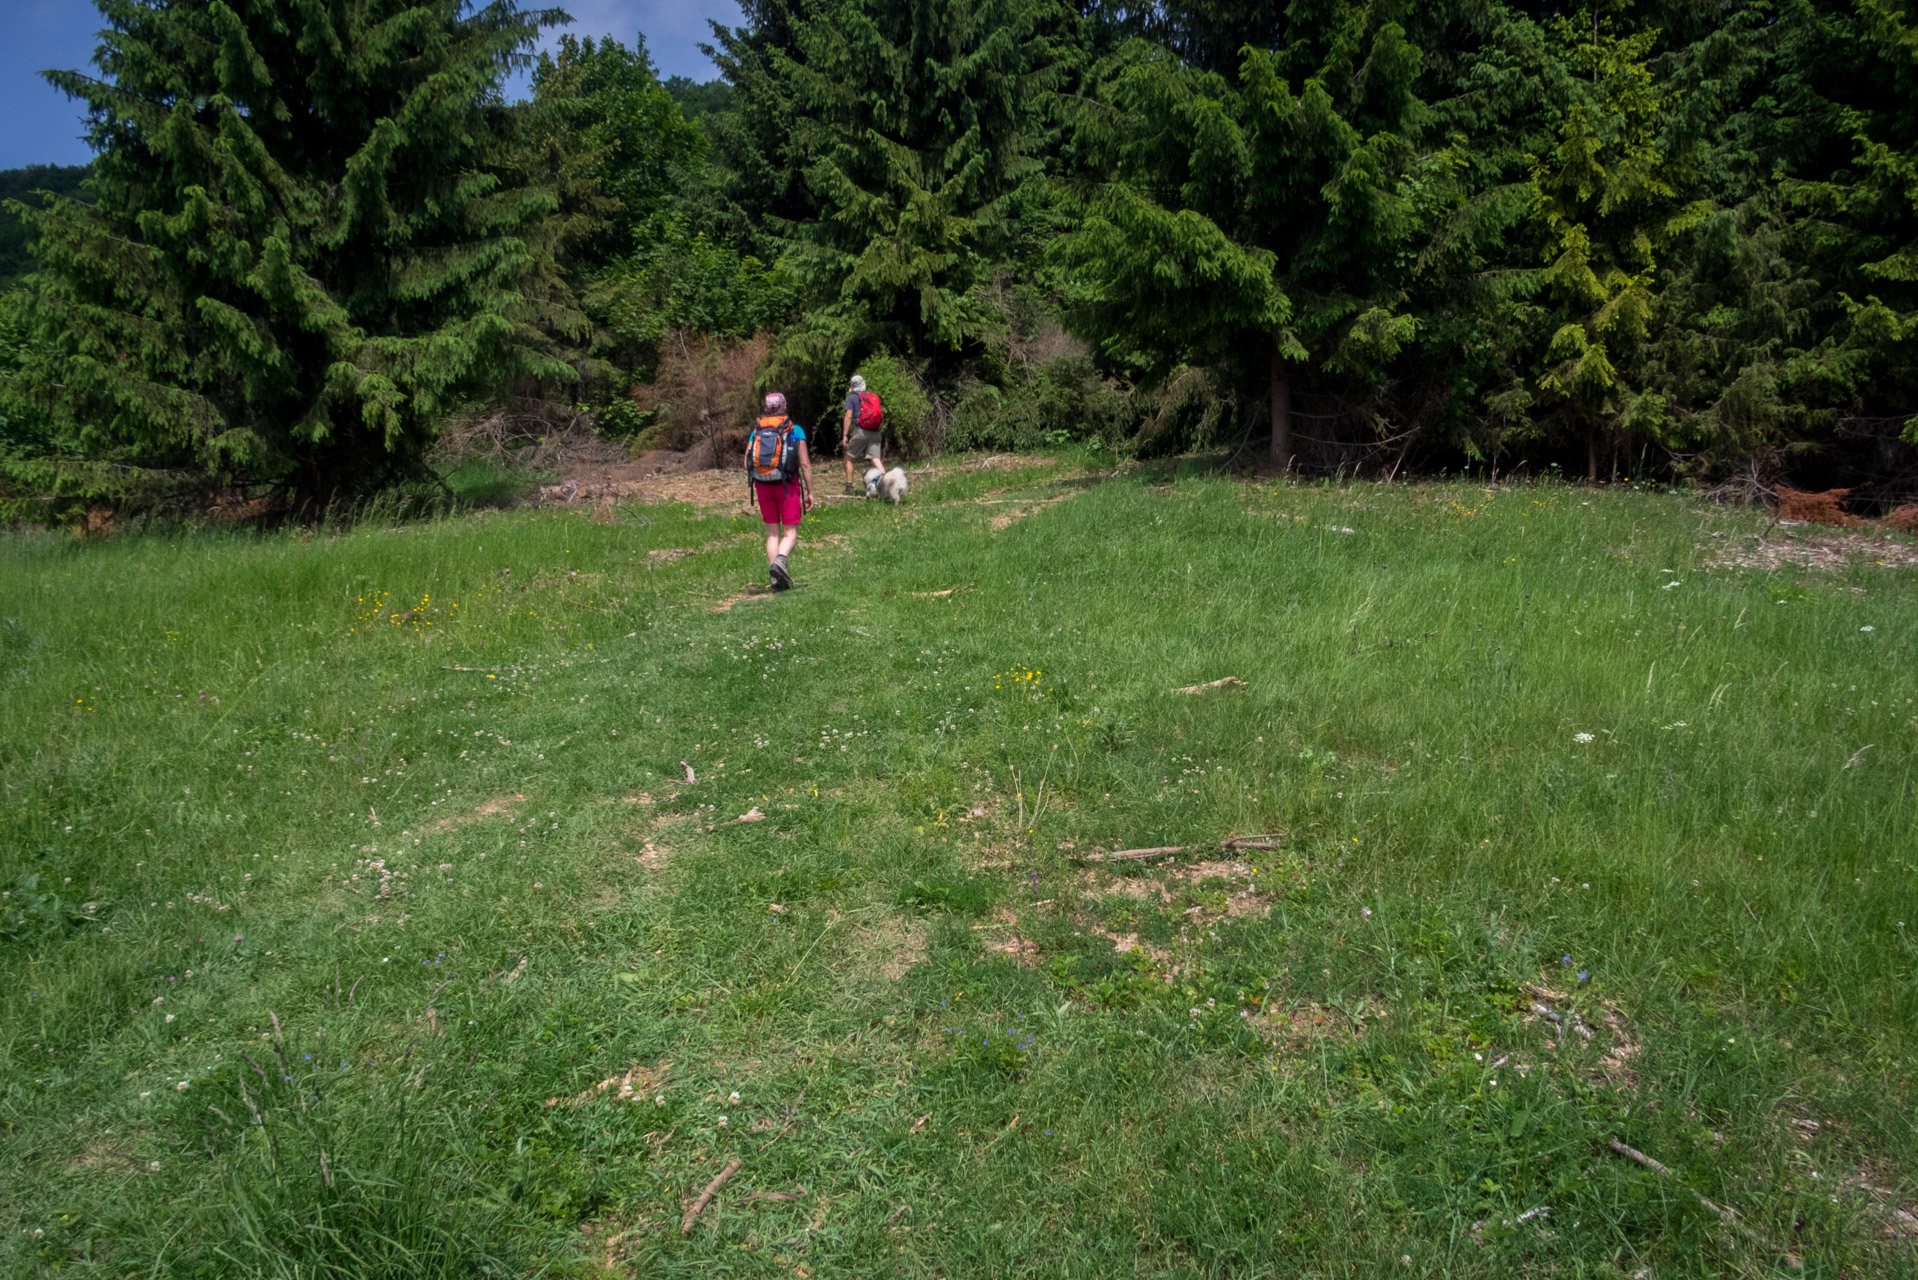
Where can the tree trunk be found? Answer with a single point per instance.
(1591, 455)
(1281, 411)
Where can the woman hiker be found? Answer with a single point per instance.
(780, 471)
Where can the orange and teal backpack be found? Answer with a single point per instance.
(772, 455)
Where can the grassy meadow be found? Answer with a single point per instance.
(378, 903)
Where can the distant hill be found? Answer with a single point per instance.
(21, 184)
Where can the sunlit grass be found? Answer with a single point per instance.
(419, 793)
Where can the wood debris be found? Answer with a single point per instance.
(1224, 682)
(1727, 1216)
(706, 1196)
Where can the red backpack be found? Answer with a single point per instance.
(871, 412)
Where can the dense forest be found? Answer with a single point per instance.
(1675, 239)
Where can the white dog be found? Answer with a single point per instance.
(890, 485)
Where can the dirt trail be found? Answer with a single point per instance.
(596, 471)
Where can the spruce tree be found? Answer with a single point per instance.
(1607, 202)
(921, 118)
(1250, 218)
(306, 241)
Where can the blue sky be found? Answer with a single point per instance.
(39, 126)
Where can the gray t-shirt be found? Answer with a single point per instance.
(852, 407)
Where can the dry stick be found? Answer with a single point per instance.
(785, 1124)
(1224, 682)
(1135, 855)
(1727, 1216)
(1231, 844)
(706, 1196)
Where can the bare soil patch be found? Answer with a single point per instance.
(891, 947)
(1824, 549)
(1006, 519)
(500, 806)
(596, 471)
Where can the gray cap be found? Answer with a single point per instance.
(858, 383)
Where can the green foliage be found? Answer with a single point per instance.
(1683, 235)
(919, 120)
(1254, 224)
(305, 247)
(24, 185)
(679, 278)
(1607, 202)
(624, 124)
(699, 100)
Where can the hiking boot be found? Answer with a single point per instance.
(782, 580)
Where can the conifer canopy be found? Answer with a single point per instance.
(305, 243)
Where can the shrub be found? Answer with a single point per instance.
(704, 387)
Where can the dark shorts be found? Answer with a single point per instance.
(780, 503)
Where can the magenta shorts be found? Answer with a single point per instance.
(780, 503)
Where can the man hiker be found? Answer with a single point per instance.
(859, 428)
(779, 473)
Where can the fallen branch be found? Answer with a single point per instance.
(1137, 855)
(1231, 844)
(1225, 682)
(706, 1196)
(690, 778)
(1727, 1216)
(934, 595)
(775, 1195)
